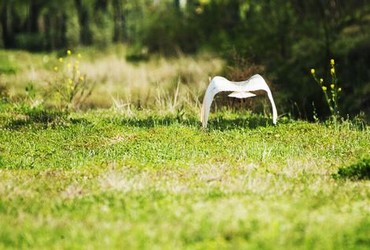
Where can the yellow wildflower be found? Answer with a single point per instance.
(61, 59)
(332, 71)
(339, 89)
(332, 62)
(312, 71)
(69, 52)
(55, 68)
(324, 88)
(332, 86)
(204, 2)
(79, 55)
(321, 80)
(82, 78)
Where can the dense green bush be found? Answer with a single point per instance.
(30, 41)
(357, 171)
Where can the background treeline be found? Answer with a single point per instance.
(282, 38)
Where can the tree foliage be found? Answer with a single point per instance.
(287, 37)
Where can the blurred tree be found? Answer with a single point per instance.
(102, 26)
(84, 15)
(286, 37)
(5, 32)
(119, 20)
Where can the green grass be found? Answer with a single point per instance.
(143, 174)
(149, 180)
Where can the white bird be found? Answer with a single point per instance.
(239, 90)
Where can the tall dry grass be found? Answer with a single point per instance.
(159, 83)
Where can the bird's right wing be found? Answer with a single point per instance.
(255, 83)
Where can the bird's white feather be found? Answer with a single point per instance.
(241, 95)
(239, 90)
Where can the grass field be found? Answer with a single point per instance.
(136, 178)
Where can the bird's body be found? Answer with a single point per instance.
(243, 89)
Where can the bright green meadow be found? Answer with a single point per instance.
(141, 178)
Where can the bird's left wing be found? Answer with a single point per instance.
(217, 84)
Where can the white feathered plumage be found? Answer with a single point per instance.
(239, 90)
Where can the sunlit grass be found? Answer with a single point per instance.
(143, 174)
(148, 180)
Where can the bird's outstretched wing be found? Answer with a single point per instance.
(241, 95)
(239, 90)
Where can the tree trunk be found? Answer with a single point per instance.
(33, 15)
(101, 5)
(83, 19)
(177, 4)
(119, 21)
(4, 24)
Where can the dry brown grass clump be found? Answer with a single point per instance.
(159, 83)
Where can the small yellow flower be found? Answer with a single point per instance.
(55, 68)
(332, 71)
(312, 71)
(79, 55)
(321, 80)
(204, 2)
(332, 86)
(61, 59)
(82, 78)
(199, 10)
(324, 88)
(332, 62)
(69, 52)
(339, 89)
(70, 81)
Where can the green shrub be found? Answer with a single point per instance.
(6, 66)
(1, 161)
(37, 116)
(70, 87)
(30, 41)
(3, 93)
(330, 90)
(357, 171)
